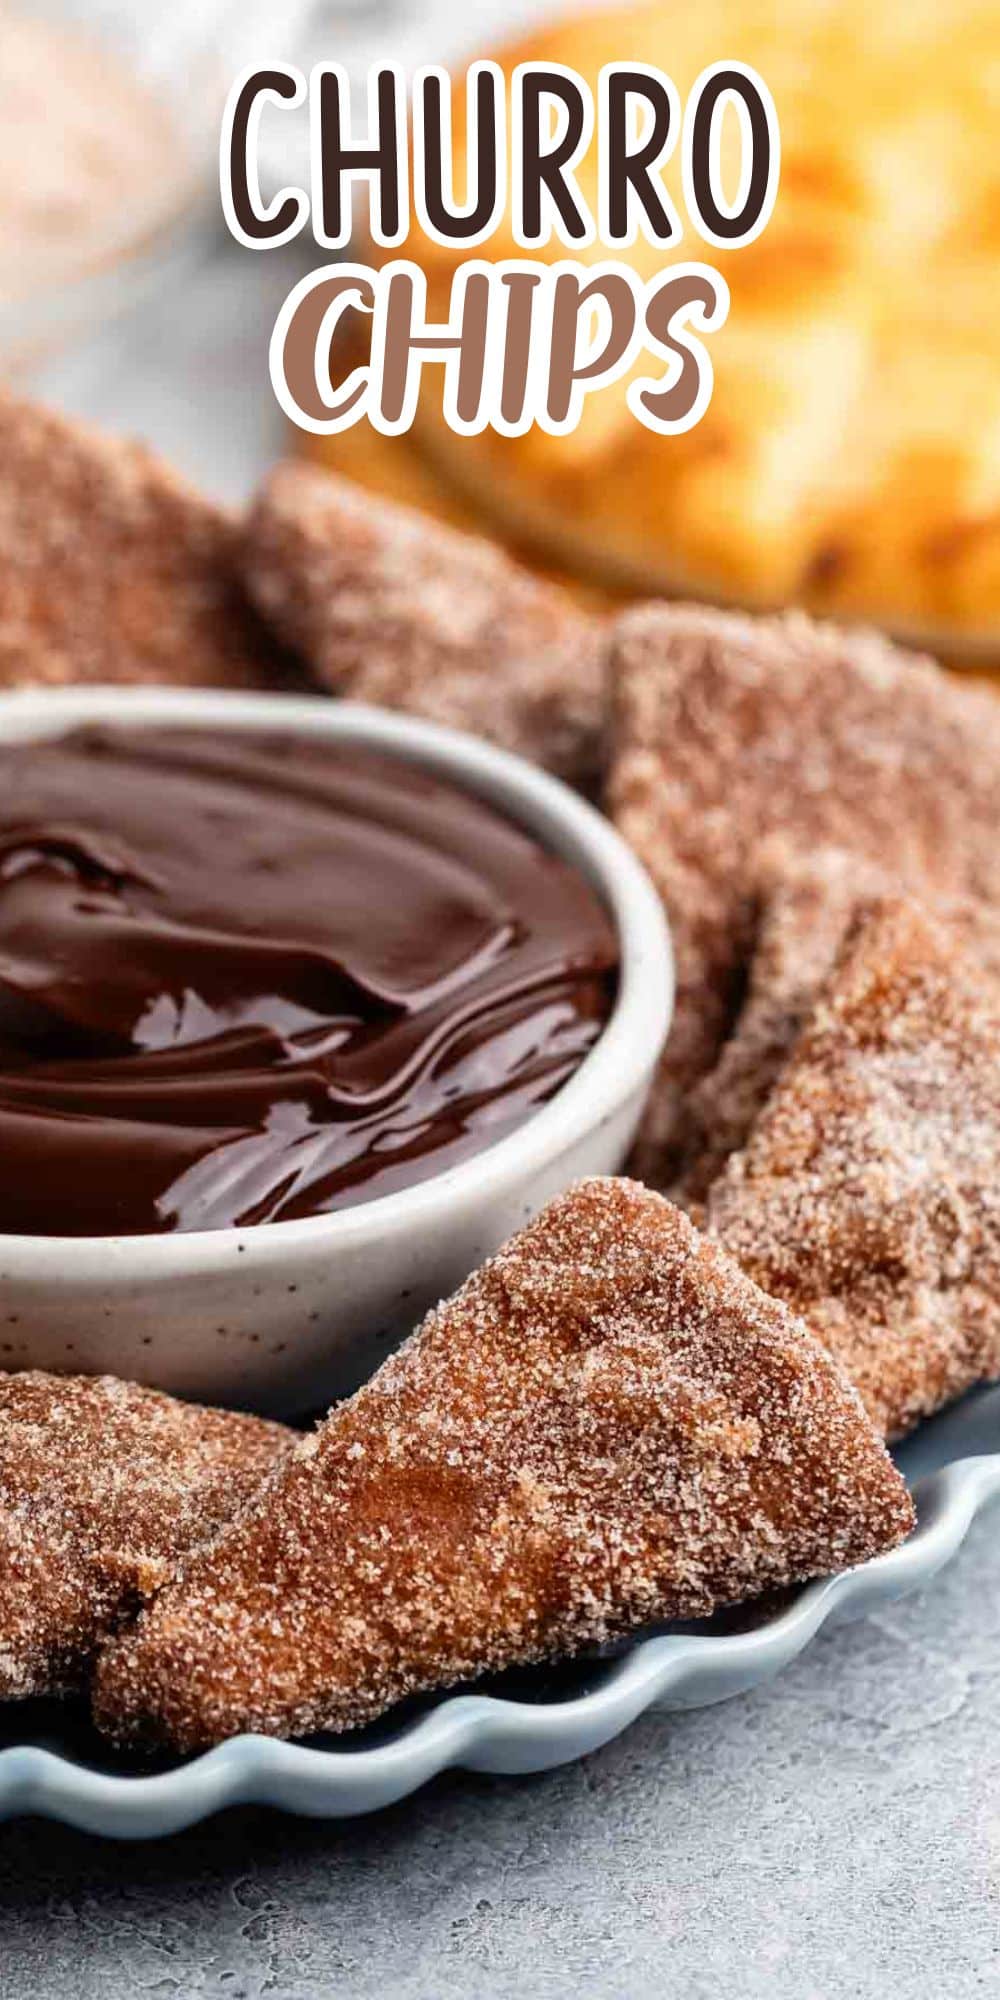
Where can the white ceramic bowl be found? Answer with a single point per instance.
(285, 1316)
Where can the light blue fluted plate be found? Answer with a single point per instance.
(54, 1765)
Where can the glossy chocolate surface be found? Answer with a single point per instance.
(247, 978)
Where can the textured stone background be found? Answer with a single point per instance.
(832, 1836)
(835, 1835)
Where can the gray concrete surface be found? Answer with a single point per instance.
(833, 1837)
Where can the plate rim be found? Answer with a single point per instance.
(490, 1733)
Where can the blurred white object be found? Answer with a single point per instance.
(109, 120)
(109, 124)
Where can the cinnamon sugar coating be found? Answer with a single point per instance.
(104, 1486)
(607, 1425)
(391, 607)
(113, 569)
(731, 729)
(805, 906)
(868, 1195)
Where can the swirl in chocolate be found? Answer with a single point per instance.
(245, 978)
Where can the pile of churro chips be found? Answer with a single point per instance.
(669, 1393)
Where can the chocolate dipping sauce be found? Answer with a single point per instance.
(246, 978)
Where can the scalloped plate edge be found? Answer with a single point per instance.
(488, 1734)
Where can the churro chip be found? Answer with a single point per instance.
(112, 569)
(391, 607)
(732, 729)
(868, 1196)
(104, 1486)
(805, 908)
(608, 1425)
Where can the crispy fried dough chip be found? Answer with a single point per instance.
(391, 607)
(730, 730)
(805, 908)
(103, 1487)
(868, 1196)
(607, 1425)
(113, 569)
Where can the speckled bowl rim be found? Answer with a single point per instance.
(616, 1066)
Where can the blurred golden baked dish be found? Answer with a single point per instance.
(850, 458)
